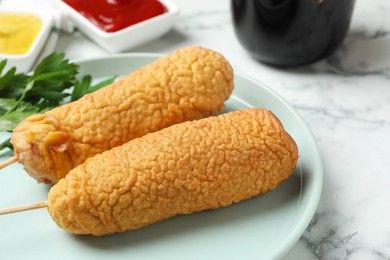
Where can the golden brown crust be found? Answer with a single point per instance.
(189, 84)
(188, 167)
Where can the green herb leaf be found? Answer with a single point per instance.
(80, 87)
(10, 120)
(6, 104)
(11, 83)
(84, 86)
(2, 65)
(22, 95)
(55, 67)
(101, 84)
(6, 144)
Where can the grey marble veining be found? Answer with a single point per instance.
(206, 20)
(332, 243)
(345, 99)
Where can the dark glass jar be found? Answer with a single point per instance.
(291, 32)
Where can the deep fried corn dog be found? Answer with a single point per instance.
(188, 167)
(189, 84)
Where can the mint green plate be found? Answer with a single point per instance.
(264, 227)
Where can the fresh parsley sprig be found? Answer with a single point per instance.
(53, 80)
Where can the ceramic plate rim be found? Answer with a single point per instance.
(310, 210)
(297, 212)
(317, 182)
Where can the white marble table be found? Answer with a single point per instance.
(345, 99)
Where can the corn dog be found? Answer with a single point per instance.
(188, 167)
(188, 84)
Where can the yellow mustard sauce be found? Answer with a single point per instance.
(18, 32)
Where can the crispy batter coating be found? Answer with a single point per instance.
(188, 167)
(189, 84)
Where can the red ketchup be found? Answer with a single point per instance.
(114, 15)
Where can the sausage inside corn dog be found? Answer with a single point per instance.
(189, 84)
(188, 167)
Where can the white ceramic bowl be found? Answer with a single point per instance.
(127, 38)
(24, 62)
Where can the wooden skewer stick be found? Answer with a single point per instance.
(37, 205)
(9, 161)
